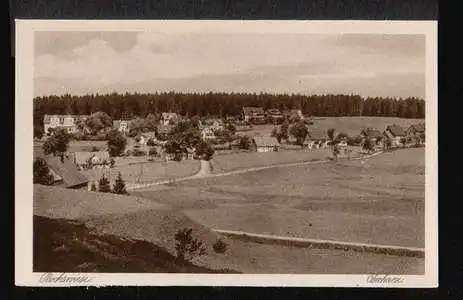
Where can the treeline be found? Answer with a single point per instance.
(120, 106)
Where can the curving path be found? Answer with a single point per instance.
(206, 168)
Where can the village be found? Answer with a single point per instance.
(157, 142)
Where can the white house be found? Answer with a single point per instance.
(395, 133)
(208, 133)
(265, 144)
(168, 118)
(66, 122)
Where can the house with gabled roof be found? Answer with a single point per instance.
(253, 115)
(416, 129)
(265, 143)
(69, 123)
(65, 173)
(169, 118)
(395, 133)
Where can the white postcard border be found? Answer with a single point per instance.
(24, 276)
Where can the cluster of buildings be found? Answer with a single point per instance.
(257, 115)
(317, 138)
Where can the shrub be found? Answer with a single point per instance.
(187, 248)
(93, 187)
(152, 152)
(138, 152)
(42, 172)
(119, 186)
(150, 143)
(116, 143)
(103, 185)
(245, 142)
(111, 162)
(220, 246)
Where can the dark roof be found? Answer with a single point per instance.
(395, 130)
(274, 111)
(419, 127)
(265, 141)
(371, 133)
(66, 170)
(317, 135)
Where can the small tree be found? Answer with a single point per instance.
(42, 172)
(103, 185)
(284, 130)
(204, 150)
(387, 144)
(93, 187)
(56, 144)
(220, 246)
(330, 133)
(245, 142)
(336, 151)
(187, 247)
(119, 186)
(368, 145)
(403, 141)
(116, 143)
(299, 131)
(112, 162)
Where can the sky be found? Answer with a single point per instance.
(103, 62)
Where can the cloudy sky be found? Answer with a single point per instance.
(103, 62)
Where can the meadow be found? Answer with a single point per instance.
(125, 221)
(379, 200)
(146, 172)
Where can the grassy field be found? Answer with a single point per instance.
(349, 125)
(74, 146)
(239, 161)
(147, 172)
(380, 200)
(130, 234)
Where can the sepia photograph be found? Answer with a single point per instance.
(186, 151)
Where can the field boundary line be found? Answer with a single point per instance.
(323, 244)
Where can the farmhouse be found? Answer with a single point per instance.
(66, 122)
(85, 160)
(208, 133)
(254, 115)
(168, 118)
(275, 115)
(122, 125)
(395, 133)
(65, 173)
(265, 144)
(416, 129)
(370, 133)
(316, 139)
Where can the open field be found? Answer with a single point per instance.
(141, 226)
(74, 146)
(379, 200)
(349, 125)
(239, 161)
(147, 172)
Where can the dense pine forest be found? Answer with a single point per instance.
(122, 106)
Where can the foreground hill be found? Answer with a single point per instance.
(62, 245)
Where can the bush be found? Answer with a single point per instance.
(150, 143)
(152, 152)
(42, 172)
(116, 143)
(103, 185)
(138, 152)
(220, 246)
(354, 140)
(187, 248)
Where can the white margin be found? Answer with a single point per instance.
(25, 29)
